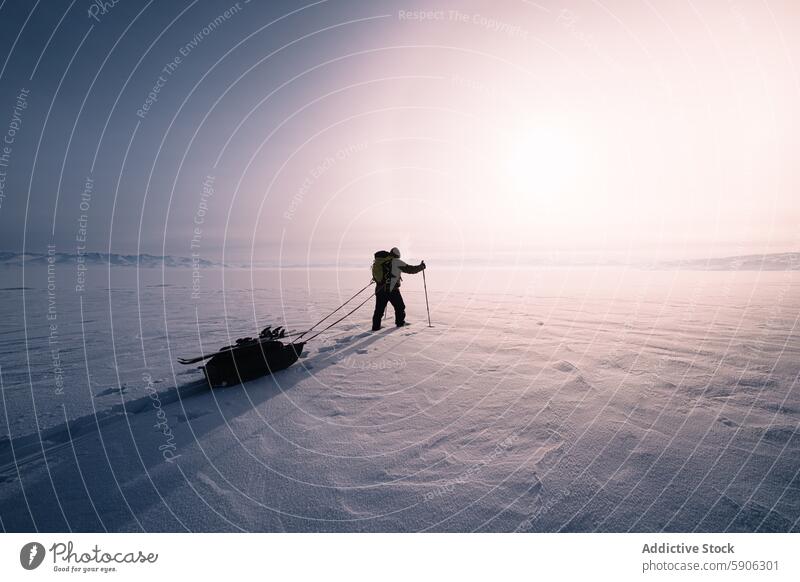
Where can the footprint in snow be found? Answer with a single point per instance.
(110, 391)
(203, 478)
(565, 366)
(191, 416)
(362, 351)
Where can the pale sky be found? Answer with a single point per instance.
(487, 130)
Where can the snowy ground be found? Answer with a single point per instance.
(544, 400)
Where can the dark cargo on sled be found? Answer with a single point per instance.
(249, 358)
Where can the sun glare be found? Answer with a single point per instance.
(540, 162)
(539, 168)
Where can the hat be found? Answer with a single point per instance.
(395, 251)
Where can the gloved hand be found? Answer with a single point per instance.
(422, 264)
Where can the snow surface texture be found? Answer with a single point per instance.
(541, 400)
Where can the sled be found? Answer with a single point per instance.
(249, 358)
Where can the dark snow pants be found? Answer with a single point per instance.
(382, 297)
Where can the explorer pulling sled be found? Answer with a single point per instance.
(251, 358)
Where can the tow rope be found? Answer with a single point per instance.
(334, 311)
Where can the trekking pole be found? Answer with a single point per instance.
(425, 283)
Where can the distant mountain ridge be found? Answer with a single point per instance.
(767, 262)
(13, 259)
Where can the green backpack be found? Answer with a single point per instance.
(382, 267)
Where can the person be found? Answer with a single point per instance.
(388, 289)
